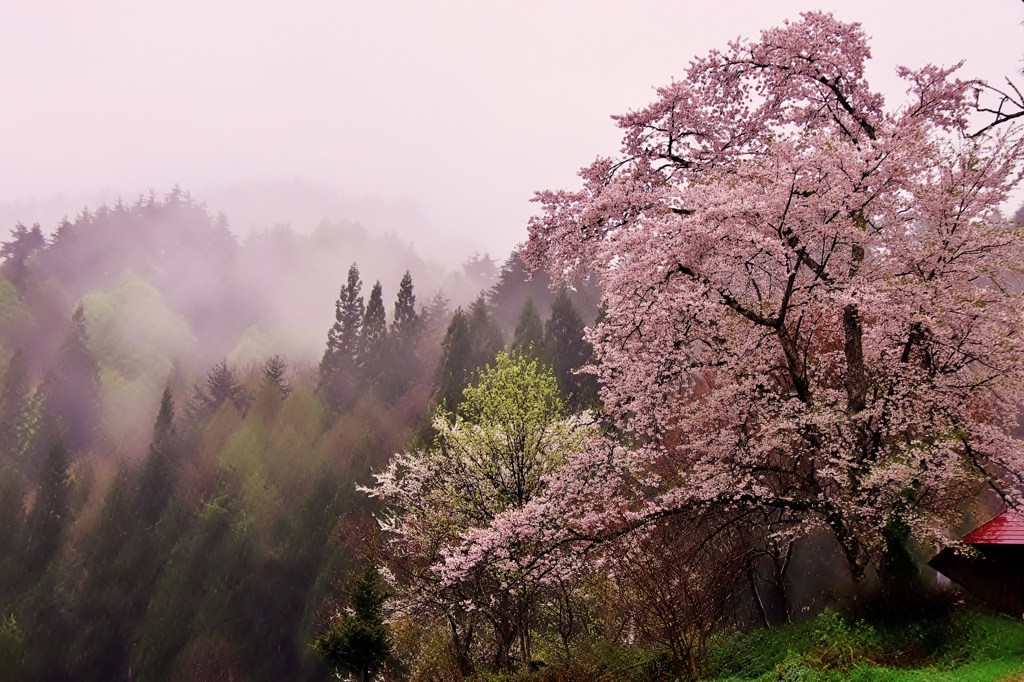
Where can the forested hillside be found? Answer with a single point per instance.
(185, 418)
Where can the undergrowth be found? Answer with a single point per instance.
(956, 645)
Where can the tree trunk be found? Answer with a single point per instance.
(758, 604)
(460, 646)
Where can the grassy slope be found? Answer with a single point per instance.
(964, 646)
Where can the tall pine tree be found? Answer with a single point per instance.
(358, 643)
(50, 514)
(374, 336)
(275, 376)
(18, 250)
(566, 351)
(405, 325)
(71, 391)
(400, 364)
(516, 283)
(472, 341)
(338, 365)
(156, 484)
(529, 334)
(486, 335)
(435, 315)
(453, 371)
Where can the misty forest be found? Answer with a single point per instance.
(731, 411)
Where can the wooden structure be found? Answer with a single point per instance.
(994, 573)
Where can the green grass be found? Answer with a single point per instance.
(982, 671)
(956, 645)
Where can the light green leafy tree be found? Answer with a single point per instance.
(492, 456)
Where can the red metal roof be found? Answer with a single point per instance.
(1005, 529)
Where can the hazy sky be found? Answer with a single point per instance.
(462, 108)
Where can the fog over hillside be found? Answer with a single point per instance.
(549, 341)
(437, 121)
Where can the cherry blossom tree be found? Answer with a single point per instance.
(810, 300)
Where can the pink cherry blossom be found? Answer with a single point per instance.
(813, 302)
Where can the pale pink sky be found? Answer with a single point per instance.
(462, 108)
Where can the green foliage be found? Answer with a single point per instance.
(254, 345)
(610, 661)
(372, 339)
(11, 519)
(133, 331)
(202, 556)
(399, 366)
(275, 371)
(71, 391)
(49, 516)
(455, 369)
(136, 338)
(208, 554)
(12, 642)
(16, 252)
(156, 484)
(221, 388)
(509, 420)
(472, 340)
(405, 325)
(14, 318)
(567, 351)
(975, 637)
(338, 365)
(353, 646)
(19, 414)
(954, 646)
(358, 643)
(529, 334)
(513, 390)
(841, 646)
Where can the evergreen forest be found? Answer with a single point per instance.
(185, 419)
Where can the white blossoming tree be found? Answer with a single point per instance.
(496, 454)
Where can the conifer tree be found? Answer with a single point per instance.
(435, 314)
(472, 341)
(220, 386)
(16, 252)
(453, 372)
(71, 391)
(487, 339)
(50, 513)
(517, 283)
(480, 270)
(116, 585)
(15, 412)
(566, 351)
(374, 327)
(399, 366)
(529, 333)
(373, 339)
(406, 322)
(274, 375)
(11, 519)
(338, 366)
(157, 481)
(358, 644)
(343, 338)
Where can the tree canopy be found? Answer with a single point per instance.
(810, 298)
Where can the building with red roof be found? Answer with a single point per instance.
(994, 571)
